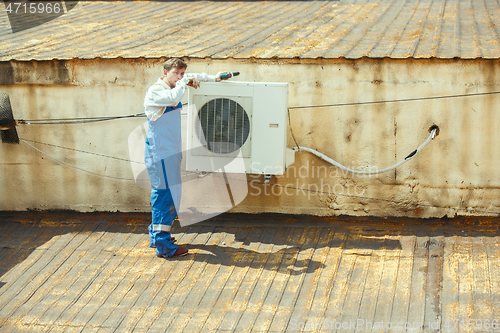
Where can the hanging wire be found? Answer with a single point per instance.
(83, 120)
(291, 131)
(261, 183)
(73, 166)
(58, 121)
(394, 100)
(99, 119)
(83, 151)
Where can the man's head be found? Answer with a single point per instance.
(173, 69)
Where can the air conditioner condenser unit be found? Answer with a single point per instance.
(238, 127)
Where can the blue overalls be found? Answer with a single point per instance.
(163, 155)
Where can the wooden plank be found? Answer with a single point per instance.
(95, 305)
(233, 314)
(492, 244)
(204, 260)
(29, 283)
(351, 319)
(368, 303)
(120, 284)
(15, 233)
(214, 299)
(155, 296)
(481, 286)
(155, 277)
(450, 294)
(217, 268)
(433, 304)
(401, 301)
(135, 283)
(307, 245)
(328, 275)
(277, 286)
(387, 286)
(32, 312)
(219, 295)
(416, 310)
(109, 280)
(309, 285)
(265, 280)
(339, 288)
(22, 242)
(84, 299)
(20, 246)
(8, 229)
(77, 280)
(463, 247)
(176, 288)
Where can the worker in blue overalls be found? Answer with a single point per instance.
(163, 152)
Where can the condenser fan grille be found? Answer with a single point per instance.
(224, 125)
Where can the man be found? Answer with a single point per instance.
(163, 151)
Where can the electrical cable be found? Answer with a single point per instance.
(274, 185)
(337, 164)
(58, 121)
(142, 115)
(73, 166)
(431, 136)
(394, 100)
(83, 151)
(290, 126)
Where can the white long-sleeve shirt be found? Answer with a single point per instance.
(160, 95)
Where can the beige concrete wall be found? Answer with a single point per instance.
(457, 173)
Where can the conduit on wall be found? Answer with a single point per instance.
(434, 130)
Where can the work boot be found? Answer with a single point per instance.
(181, 251)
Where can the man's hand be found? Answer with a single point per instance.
(193, 83)
(217, 77)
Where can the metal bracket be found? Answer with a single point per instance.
(267, 179)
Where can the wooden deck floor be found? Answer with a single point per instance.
(249, 273)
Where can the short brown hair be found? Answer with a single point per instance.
(174, 62)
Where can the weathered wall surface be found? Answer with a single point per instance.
(457, 173)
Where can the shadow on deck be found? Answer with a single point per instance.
(64, 271)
